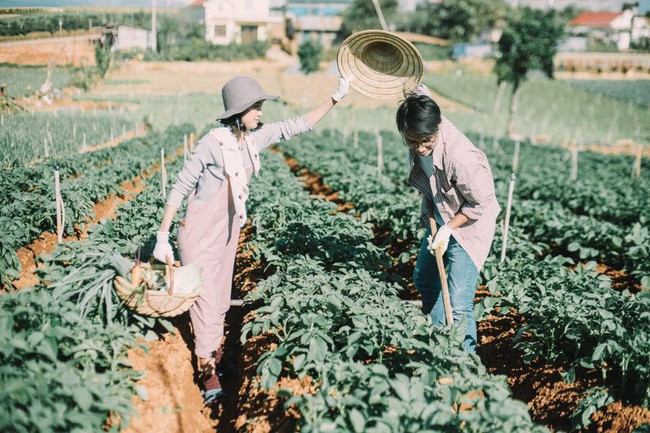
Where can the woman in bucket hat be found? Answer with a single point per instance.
(457, 189)
(216, 177)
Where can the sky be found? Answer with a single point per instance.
(64, 3)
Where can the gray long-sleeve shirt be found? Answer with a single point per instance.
(204, 170)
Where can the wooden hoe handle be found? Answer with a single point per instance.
(446, 300)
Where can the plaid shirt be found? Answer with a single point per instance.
(461, 182)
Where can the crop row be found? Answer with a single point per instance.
(26, 80)
(320, 261)
(604, 189)
(621, 245)
(529, 279)
(29, 192)
(375, 363)
(64, 344)
(31, 137)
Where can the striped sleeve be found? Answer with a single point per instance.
(473, 179)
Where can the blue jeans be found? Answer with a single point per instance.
(462, 276)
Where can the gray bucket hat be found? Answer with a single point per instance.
(240, 93)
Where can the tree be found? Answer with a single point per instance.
(460, 20)
(528, 42)
(310, 53)
(362, 15)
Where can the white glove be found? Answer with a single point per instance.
(163, 248)
(441, 240)
(343, 89)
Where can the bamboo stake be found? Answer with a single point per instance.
(346, 129)
(59, 206)
(163, 172)
(380, 154)
(497, 99)
(47, 151)
(515, 157)
(511, 189)
(495, 143)
(186, 150)
(574, 162)
(51, 141)
(636, 168)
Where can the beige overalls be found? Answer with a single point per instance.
(208, 236)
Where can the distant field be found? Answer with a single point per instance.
(552, 109)
(636, 91)
(24, 80)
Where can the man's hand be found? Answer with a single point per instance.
(441, 240)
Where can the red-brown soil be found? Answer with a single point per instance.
(46, 242)
(73, 50)
(550, 399)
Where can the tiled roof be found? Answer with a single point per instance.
(594, 19)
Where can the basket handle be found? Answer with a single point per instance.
(170, 274)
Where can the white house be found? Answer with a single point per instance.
(124, 38)
(323, 29)
(614, 27)
(237, 21)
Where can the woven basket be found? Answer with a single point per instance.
(155, 296)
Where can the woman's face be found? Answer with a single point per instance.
(252, 116)
(422, 145)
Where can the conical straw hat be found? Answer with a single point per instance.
(384, 65)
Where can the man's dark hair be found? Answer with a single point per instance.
(418, 115)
